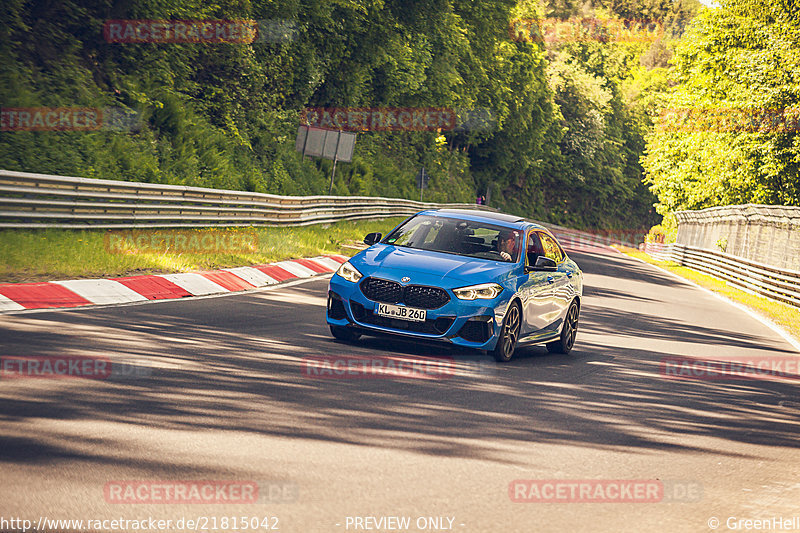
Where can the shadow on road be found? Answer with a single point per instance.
(235, 364)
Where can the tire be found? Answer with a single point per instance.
(509, 334)
(568, 332)
(344, 334)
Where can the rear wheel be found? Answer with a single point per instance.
(509, 333)
(344, 334)
(568, 332)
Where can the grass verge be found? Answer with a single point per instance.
(786, 316)
(51, 254)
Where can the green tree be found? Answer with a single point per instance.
(737, 63)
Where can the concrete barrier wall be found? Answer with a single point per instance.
(767, 234)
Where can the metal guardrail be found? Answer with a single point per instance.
(661, 252)
(751, 276)
(44, 201)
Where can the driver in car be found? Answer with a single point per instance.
(507, 244)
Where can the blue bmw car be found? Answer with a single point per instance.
(475, 279)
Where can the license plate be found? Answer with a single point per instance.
(403, 313)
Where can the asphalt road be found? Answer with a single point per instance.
(221, 395)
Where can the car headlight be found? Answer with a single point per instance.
(349, 272)
(484, 291)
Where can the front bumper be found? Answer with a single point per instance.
(467, 323)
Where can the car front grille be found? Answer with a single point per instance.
(381, 290)
(391, 292)
(425, 297)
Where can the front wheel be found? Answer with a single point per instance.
(509, 333)
(568, 332)
(344, 334)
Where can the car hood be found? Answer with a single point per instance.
(424, 267)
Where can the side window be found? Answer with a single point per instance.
(534, 248)
(551, 248)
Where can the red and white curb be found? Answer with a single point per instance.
(80, 292)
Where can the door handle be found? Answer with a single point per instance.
(550, 279)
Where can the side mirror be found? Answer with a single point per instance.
(372, 238)
(543, 264)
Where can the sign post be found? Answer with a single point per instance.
(335, 153)
(422, 181)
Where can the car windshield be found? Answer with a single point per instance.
(456, 236)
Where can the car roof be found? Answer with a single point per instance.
(494, 217)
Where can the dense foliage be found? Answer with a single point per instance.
(737, 69)
(568, 126)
